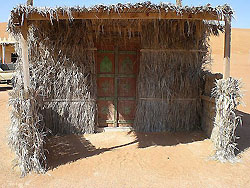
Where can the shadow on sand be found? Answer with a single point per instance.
(167, 138)
(5, 87)
(243, 132)
(66, 149)
(69, 148)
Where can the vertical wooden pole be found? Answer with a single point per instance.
(30, 2)
(227, 48)
(25, 61)
(3, 53)
(116, 86)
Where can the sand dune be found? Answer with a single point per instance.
(240, 60)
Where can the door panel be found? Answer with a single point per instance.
(126, 87)
(106, 113)
(126, 109)
(105, 87)
(106, 63)
(127, 64)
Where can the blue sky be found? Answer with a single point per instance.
(241, 7)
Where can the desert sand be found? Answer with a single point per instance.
(122, 159)
(240, 60)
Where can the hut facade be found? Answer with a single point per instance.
(7, 50)
(126, 65)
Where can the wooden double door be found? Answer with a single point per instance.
(117, 69)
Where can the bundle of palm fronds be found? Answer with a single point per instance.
(63, 69)
(228, 96)
(65, 101)
(170, 75)
(168, 93)
(27, 131)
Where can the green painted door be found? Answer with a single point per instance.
(116, 87)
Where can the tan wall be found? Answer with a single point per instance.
(8, 50)
(208, 115)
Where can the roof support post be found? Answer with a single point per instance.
(179, 3)
(3, 53)
(30, 2)
(227, 48)
(25, 60)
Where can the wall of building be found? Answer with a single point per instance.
(8, 50)
(8, 40)
(208, 103)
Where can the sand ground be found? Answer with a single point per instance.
(139, 160)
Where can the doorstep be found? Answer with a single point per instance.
(114, 129)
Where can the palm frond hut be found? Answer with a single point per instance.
(126, 65)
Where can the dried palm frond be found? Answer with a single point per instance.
(228, 96)
(170, 75)
(22, 11)
(27, 131)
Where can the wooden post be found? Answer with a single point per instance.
(3, 53)
(179, 3)
(227, 48)
(25, 60)
(30, 2)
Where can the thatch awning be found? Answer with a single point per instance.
(23, 15)
(144, 10)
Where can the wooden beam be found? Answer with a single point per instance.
(170, 50)
(25, 60)
(227, 48)
(128, 15)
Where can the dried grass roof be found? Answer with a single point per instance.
(145, 10)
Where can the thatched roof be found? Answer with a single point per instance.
(145, 10)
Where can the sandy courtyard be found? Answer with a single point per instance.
(126, 160)
(140, 160)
